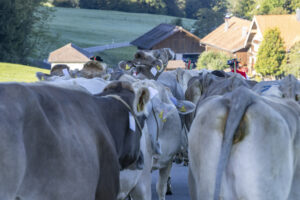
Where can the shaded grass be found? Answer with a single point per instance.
(113, 56)
(87, 27)
(18, 73)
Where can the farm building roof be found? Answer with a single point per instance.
(69, 53)
(231, 39)
(288, 25)
(158, 34)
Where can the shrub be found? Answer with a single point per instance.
(213, 60)
(291, 64)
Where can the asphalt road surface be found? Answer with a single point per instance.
(179, 180)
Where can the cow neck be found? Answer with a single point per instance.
(157, 128)
(118, 98)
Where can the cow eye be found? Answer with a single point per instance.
(297, 97)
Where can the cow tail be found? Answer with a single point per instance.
(238, 101)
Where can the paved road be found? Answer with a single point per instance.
(179, 178)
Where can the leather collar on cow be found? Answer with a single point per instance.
(129, 108)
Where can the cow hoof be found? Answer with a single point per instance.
(185, 163)
(169, 187)
(169, 192)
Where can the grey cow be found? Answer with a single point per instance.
(57, 143)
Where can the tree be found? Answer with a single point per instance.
(207, 21)
(92, 4)
(66, 3)
(20, 21)
(192, 6)
(244, 9)
(213, 60)
(291, 64)
(270, 54)
(174, 7)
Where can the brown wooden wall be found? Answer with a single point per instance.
(181, 42)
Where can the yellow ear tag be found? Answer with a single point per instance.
(158, 67)
(127, 67)
(161, 116)
(182, 109)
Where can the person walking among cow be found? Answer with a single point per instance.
(234, 66)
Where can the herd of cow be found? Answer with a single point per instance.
(94, 134)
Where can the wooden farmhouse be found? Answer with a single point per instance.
(229, 38)
(71, 55)
(289, 26)
(185, 44)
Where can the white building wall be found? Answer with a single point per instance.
(72, 66)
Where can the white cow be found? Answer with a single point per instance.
(264, 161)
(93, 86)
(137, 183)
(165, 129)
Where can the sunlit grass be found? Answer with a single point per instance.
(18, 73)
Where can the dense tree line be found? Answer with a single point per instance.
(248, 8)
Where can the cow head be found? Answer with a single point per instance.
(59, 70)
(92, 69)
(161, 109)
(290, 88)
(127, 67)
(124, 126)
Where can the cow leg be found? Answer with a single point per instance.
(161, 186)
(13, 158)
(295, 192)
(169, 187)
(192, 185)
(142, 190)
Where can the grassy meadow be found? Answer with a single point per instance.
(18, 73)
(86, 28)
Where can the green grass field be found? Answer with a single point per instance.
(18, 73)
(87, 28)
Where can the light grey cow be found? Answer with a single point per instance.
(288, 87)
(165, 128)
(245, 146)
(148, 64)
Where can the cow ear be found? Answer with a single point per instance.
(106, 77)
(42, 76)
(158, 64)
(125, 65)
(193, 92)
(141, 99)
(184, 107)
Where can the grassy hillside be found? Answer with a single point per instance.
(87, 28)
(19, 73)
(99, 27)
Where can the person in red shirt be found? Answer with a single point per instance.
(234, 63)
